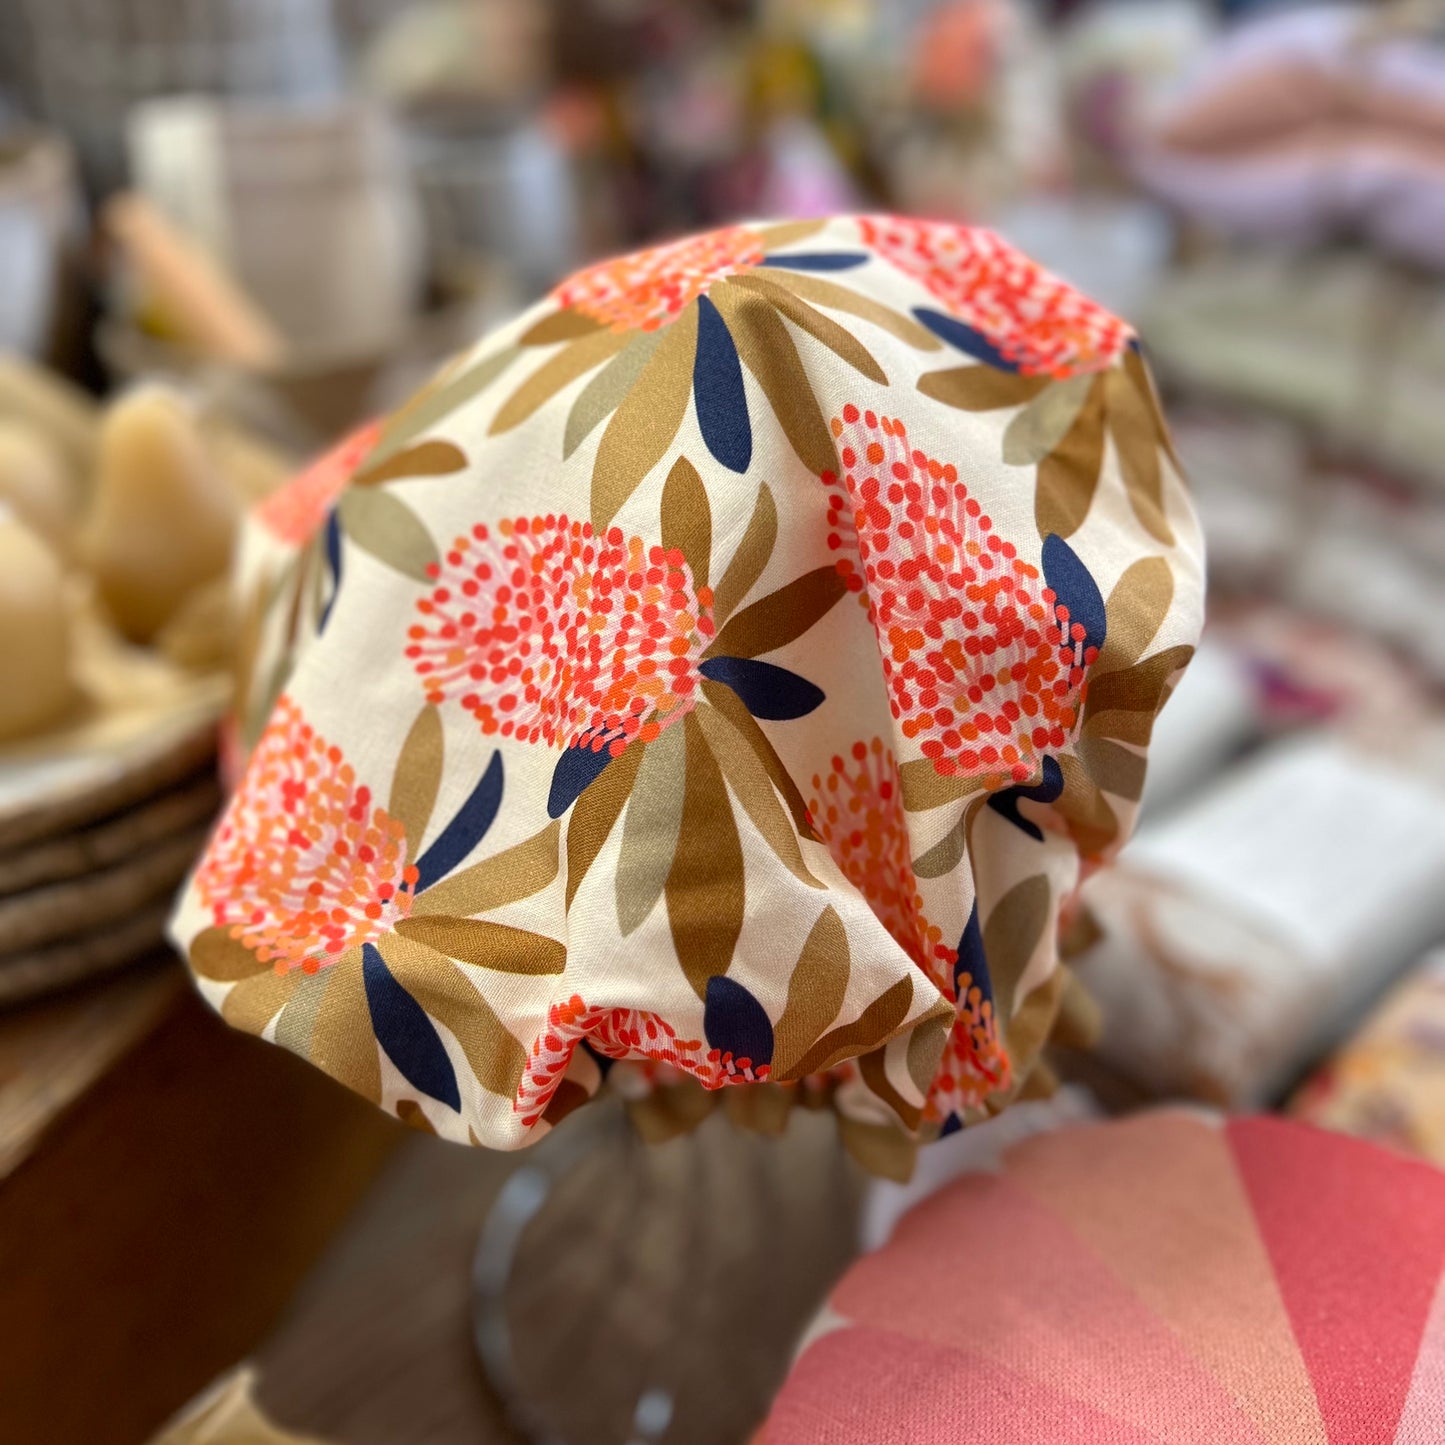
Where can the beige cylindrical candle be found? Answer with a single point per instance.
(163, 519)
(68, 416)
(35, 684)
(36, 485)
(203, 631)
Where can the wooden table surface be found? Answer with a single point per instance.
(168, 1184)
(176, 1198)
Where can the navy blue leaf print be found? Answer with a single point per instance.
(1074, 586)
(406, 1033)
(333, 563)
(1006, 802)
(735, 1022)
(465, 830)
(964, 338)
(578, 767)
(768, 691)
(717, 388)
(972, 960)
(817, 260)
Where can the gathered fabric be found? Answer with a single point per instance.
(726, 674)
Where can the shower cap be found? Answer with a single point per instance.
(727, 672)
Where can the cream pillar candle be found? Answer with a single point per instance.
(35, 685)
(163, 519)
(68, 416)
(36, 484)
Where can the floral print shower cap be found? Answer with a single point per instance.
(727, 672)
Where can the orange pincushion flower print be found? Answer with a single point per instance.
(547, 632)
(1026, 319)
(636, 1035)
(857, 809)
(975, 1063)
(985, 668)
(646, 290)
(305, 865)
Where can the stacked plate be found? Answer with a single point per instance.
(100, 820)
